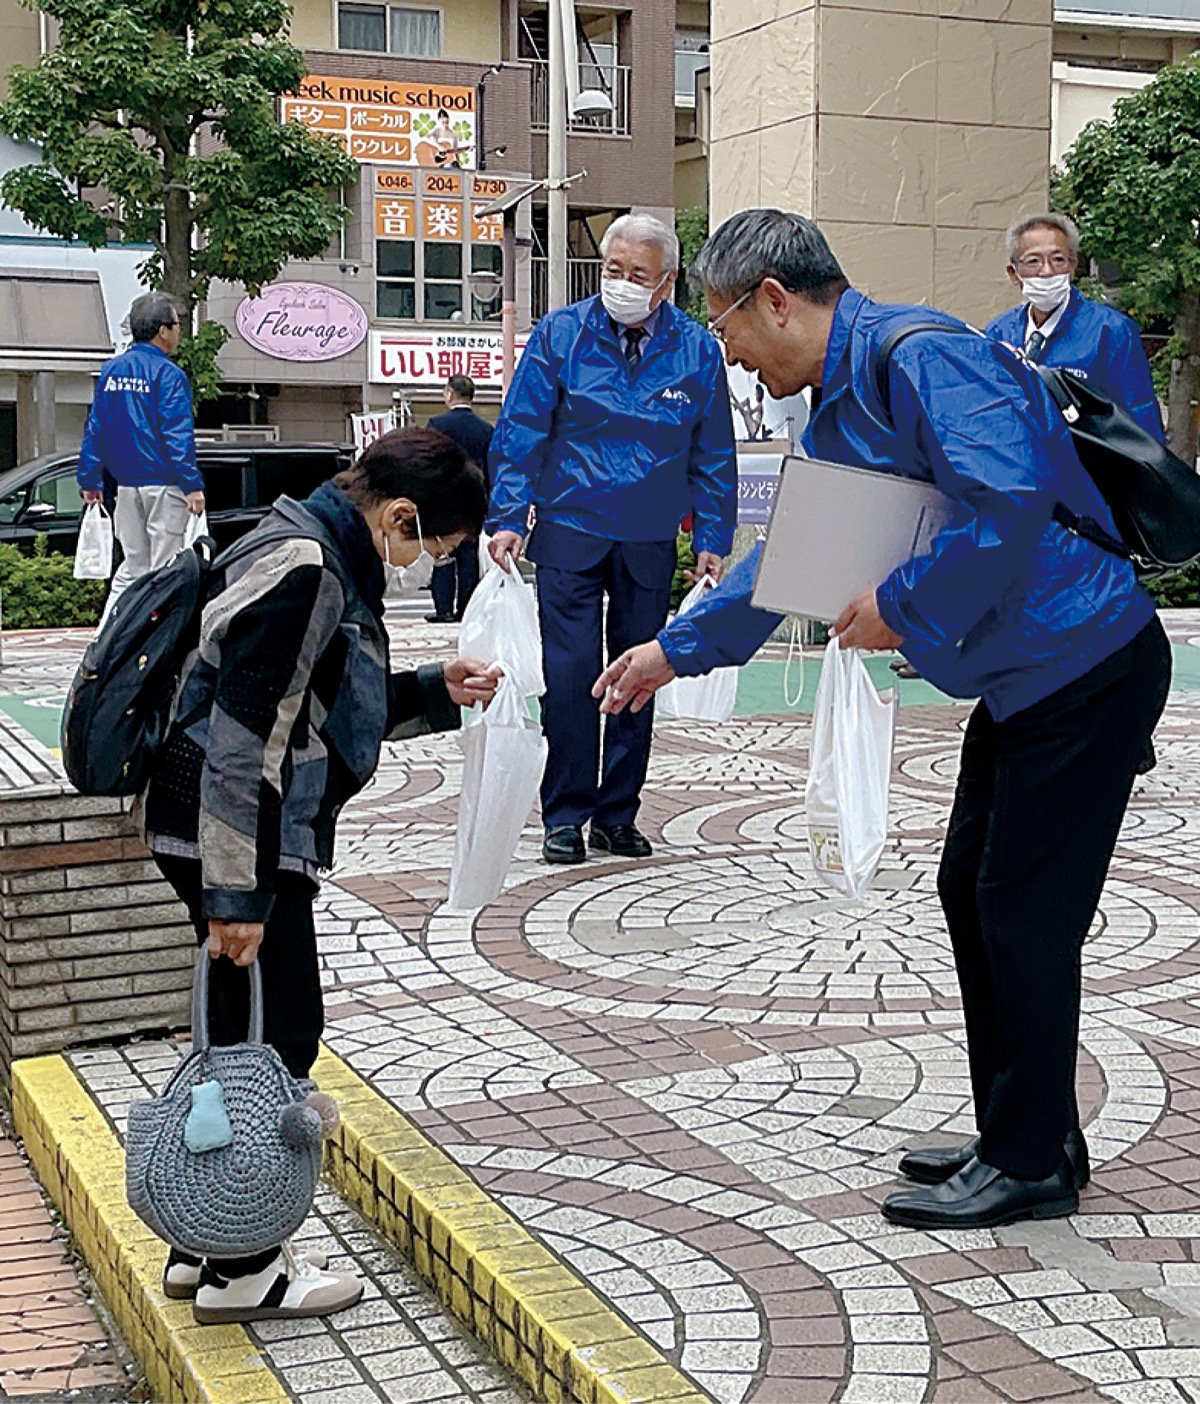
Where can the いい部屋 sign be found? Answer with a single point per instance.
(398, 358)
(301, 322)
(396, 124)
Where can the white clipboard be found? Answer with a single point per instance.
(837, 531)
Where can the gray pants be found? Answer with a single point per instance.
(150, 523)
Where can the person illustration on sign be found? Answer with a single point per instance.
(446, 141)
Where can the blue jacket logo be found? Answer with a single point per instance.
(674, 396)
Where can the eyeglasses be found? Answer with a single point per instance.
(1032, 264)
(715, 326)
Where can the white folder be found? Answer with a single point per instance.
(837, 531)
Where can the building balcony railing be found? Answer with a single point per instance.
(609, 78)
(583, 280)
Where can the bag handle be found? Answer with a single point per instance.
(200, 1039)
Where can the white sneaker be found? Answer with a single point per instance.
(180, 1280)
(287, 1287)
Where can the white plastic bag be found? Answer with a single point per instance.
(850, 763)
(94, 553)
(710, 698)
(500, 625)
(504, 754)
(197, 526)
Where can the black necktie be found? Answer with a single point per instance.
(633, 346)
(1033, 347)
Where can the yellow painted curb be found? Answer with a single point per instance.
(82, 1167)
(537, 1316)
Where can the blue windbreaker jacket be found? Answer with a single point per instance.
(1103, 347)
(1007, 605)
(617, 454)
(140, 425)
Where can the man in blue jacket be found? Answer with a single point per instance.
(1052, 633)
(1056, 325)
(616, 426)
(140, 429)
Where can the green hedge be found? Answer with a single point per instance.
(40, 591)
(1178, 591)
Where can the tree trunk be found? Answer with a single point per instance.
(1185, 379)
(177, 257)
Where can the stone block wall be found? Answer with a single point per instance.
(93, 943)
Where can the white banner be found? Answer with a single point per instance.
(369, 427)
(405, 358)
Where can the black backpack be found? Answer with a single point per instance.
(119, 704)
(1154, 496)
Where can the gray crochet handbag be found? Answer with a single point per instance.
(224, 1162)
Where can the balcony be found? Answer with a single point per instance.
(583, 280)
(612, 79)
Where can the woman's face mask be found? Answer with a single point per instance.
(406, 580)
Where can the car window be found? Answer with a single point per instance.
(294, 474)
(61, 491)
(225, 489)
(12, 504)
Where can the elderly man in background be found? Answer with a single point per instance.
(140, 429)
(616, 426)
(1056, 325)
(1052, 633)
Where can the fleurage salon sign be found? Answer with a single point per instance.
(302, 322)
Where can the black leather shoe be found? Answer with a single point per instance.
(622, 841)
(564, 844)
(440, 618)
(936, 1164)
(980, 1196)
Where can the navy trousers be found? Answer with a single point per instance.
(576, 632)
(462, 573)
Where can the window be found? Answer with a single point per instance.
(691, 55)
(443, 282)
(396, 29)
(486, 299)
(225, 486)
(296, 474)
(61, 492)
(395, 278)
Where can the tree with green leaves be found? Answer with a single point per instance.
(1132, 183)
(158, 124)
(691, 227)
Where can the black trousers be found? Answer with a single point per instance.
(1036, 815)
(293, 1010)
(577, 633)
(462, 574)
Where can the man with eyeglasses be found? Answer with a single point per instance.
(1056, 325)
(141, 432)
(1052, 634)
(617, 426)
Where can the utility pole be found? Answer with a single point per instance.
(556, 163)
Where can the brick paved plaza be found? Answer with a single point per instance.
(691, 1078)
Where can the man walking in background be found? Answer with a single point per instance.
(616, 426)
(473, 434)
(1056, 325)
(140, 430)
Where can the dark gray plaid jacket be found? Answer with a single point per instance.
(281, 714)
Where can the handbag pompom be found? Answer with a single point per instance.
(327, 1109)
(300, 1126)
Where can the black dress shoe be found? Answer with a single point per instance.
(622, 840)
(936, 1164)
(563, 844)
(980, 1196)
(440, 618)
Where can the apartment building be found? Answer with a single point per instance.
(445, 106)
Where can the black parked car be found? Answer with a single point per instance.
(241, 481)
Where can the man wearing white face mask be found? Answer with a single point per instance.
(616, 426)
(1056, 325)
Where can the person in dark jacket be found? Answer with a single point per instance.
(1055, 636)
(279, 721)
(140, 431)
(617, 426)
(473, 434)
(1056, 325)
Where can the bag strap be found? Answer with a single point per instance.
(1086, 527)
(200, 1039)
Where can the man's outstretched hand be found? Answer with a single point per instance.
(633, 679)
(860, 625)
